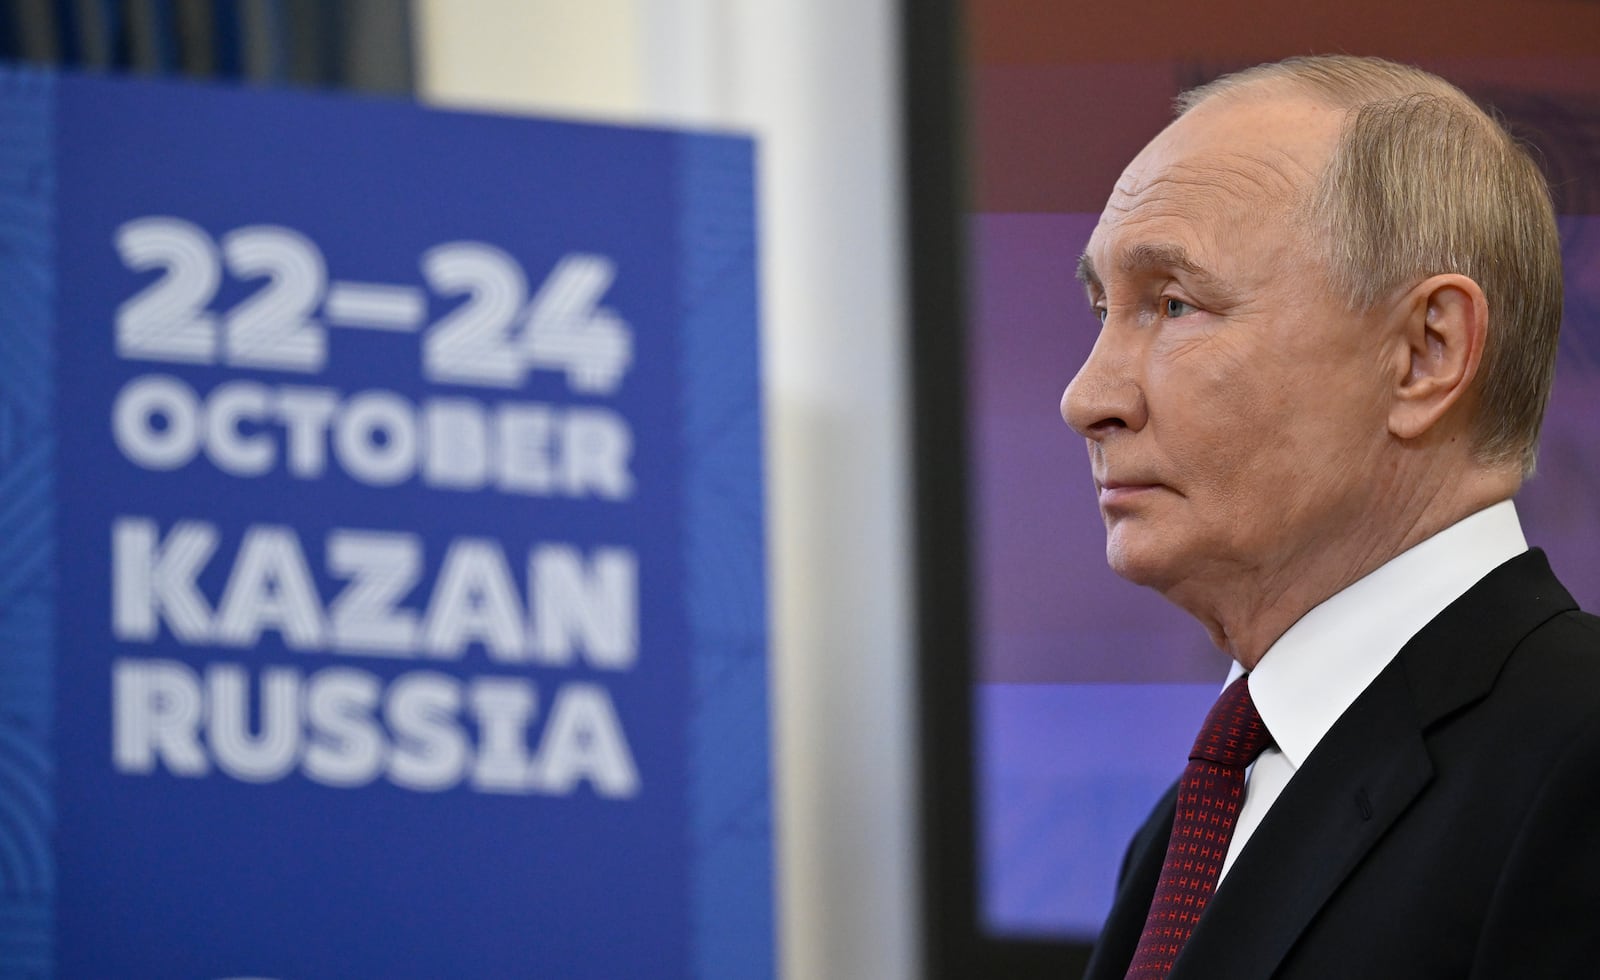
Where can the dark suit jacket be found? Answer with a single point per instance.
(1448, 824)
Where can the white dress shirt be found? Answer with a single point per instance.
(1322, 663)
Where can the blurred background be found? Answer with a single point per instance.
(918, 162)
(815, 82)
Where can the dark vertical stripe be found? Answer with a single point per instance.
(227, 44)
(69, 45)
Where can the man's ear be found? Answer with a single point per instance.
(1444, 323)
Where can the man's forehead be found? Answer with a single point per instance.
(1174, 232)
(1247, 147)
(1220, 177)
(1236, 167)
(1257, 119)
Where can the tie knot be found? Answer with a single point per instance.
(1233, 734)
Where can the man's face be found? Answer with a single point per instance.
(1233, 405)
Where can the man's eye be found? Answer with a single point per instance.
(1176, 307)
(1100, 314)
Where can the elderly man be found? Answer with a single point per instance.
(1328, 297)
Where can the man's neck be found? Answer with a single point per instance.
(1245, 618)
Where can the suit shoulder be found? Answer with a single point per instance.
(1575, 627)
(1562, 655)
(1545, 697)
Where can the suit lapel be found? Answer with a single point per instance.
(1361, 778)
(1364, 774)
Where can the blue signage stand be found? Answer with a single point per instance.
(381, 566)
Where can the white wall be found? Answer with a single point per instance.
(816, 82)
(567, 56)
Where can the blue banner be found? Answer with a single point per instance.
(393, 486)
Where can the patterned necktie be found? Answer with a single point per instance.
(1209, 797)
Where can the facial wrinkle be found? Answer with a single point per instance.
(1236, 182)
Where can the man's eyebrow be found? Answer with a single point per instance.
(1086, 273)
(1151, 257)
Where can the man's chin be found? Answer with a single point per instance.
(1139, 563)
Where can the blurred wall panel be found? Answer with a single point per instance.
(816, 82)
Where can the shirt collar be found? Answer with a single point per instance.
(1322, 663)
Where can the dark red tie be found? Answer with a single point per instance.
(1209, 797)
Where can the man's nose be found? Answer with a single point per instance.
(1106, 395)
